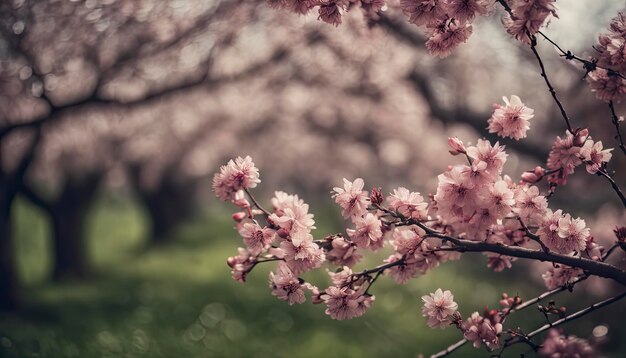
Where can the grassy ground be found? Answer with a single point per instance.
(180, 301)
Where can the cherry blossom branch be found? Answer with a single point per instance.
(597, 268)
(533, 47)
(566, 319)
(256, 203)
(587, 65)
(616, 124)
(609, 251)
(618, 191)
(517, 308)
(381, 268)
(532, 236)
(450, 349)
(594, 267)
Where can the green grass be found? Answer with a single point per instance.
(179, 300)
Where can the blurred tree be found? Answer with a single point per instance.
(57, 70)
(165, 90)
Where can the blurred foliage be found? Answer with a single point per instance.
(179, 300)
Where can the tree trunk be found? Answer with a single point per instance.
(167, 205)
(9, 290)
(69, 213)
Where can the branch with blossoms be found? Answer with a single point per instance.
(476, 207)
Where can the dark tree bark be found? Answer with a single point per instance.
(169, 204)
(9, 288)
(69, 213)
(10, 182)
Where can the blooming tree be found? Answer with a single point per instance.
(476, 207)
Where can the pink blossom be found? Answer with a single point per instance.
(548, 230)
(476, 174)
(533, 176)
(234, 176)
(564, 154)
(367, 232)
(402, 272)
(499, 199)
(529, 205)
(454, 194)
(329, 13)
(255, 237)
(511, 120)
(557, 345)
(345, 303)
(446, 35)
(456, 146)
(494, 156)
(343, 252)
(481, 220)
(499, 262)
(593, 250)
(480, 330)
(406, 241)
(466, 10)
(240, 200)
(286, 286)
(409, 204)
(573, 234)
(594, 155)
(606, 87)
(296, 6)
(303, 257)
(528, 17)
(423, 12)
(560, 276)
(352, 198)
(241, 264)
(438, 308)
(282, 201)
(294, 219)
(342, 277)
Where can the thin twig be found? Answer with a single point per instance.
(570, 317)
(518, 308)
(256, 203)
(533, 47)
(615, 121)
(618, 191)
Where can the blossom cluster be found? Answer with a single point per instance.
(440, 310)
(476, 206)
(473, 202)
(447, 23)
(573, 150)
(557, 345)
(605, 80)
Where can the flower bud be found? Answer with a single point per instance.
(580, 137)
(620, 233)
(240, 200)
(456, 146)
(533, 176)
(530, 177)
(231, 262)
(377, 196)
(316, 296)
(239, 216)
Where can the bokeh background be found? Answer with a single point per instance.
(114, 114)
